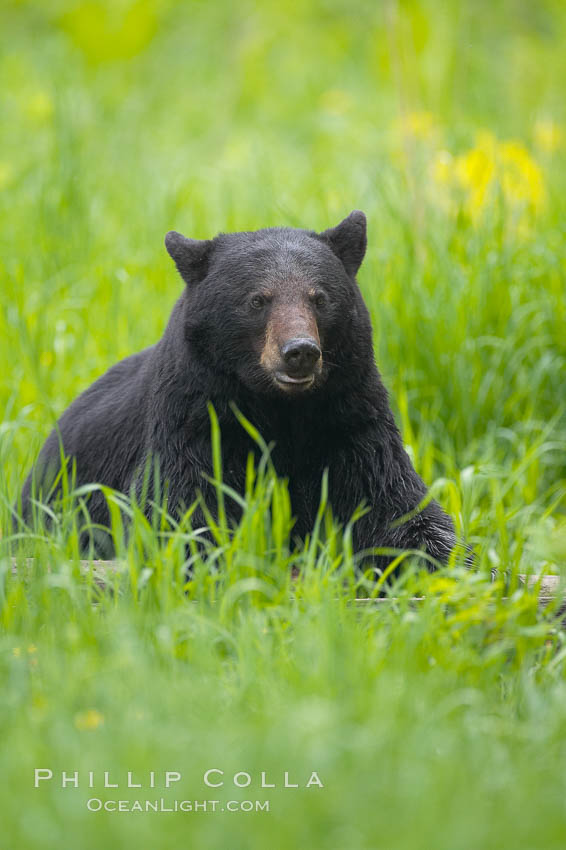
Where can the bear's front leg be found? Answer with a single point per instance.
(428, 530)
(392, 492)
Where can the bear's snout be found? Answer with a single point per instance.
(292, 351)
(300, 356)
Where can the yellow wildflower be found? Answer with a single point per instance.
(88, 720)
(490, 167)
(521, 178)
(474, 172)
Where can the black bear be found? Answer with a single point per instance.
(272, 321)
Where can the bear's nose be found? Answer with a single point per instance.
(300, 355)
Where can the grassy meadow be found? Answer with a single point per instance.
(436, 726)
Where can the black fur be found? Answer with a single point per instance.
(155, 403)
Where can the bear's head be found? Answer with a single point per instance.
(278, 309)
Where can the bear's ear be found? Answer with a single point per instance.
(190, 255)
(348, 240)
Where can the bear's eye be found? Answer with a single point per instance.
(257, 302)
(319, 300)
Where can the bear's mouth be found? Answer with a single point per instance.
(288, 381)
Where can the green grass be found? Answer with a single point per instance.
(441, 725)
